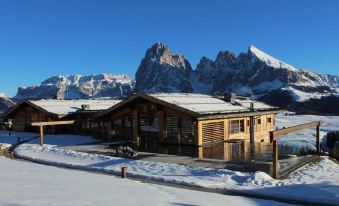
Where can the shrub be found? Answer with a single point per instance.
(332, 137)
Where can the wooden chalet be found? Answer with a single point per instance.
(189, 119)
(82, 111)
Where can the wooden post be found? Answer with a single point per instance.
(252, 138)
(252, 141)
(318, 139)
(200, 152)
(41, 135)
(275, 169)
(123, 172)
(200, 137)
(271, 136)
(135, 125)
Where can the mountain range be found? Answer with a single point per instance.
(253, 73)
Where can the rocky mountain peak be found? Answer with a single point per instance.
(225, 59)
(163, 70)
(161, 54)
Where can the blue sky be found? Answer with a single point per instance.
(39, 39)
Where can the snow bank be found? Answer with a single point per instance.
(164, 172)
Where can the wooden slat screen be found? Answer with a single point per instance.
(213, 132)
(172, 129)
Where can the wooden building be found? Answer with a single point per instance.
(189, 119)
(83, 111)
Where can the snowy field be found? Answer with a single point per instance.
(24, 183)
(321, 178)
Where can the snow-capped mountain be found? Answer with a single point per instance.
(253, 74)
(5, 103)
(78, 86)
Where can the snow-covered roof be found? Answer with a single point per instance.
(206, 104)
(64, 107)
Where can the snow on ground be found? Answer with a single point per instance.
(321, 178)
(324, 182)
(24, 183)
(8, 138)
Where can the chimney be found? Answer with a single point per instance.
(252, 106)
(230, 97)
(85, 107)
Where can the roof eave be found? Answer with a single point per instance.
(239, 114)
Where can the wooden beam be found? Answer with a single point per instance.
(318, 139)
(38, 124)
(287, 130)
(41, 135)
(275, 166)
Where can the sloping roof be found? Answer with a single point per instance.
(206, 104)
(198, 104)
(64, 107)
(61, 108)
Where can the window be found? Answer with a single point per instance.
(236, 126)
(269, 120)
(259, 121)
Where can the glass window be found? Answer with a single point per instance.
(236, 126)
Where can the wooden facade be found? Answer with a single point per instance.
(25, 113)
(141, 118)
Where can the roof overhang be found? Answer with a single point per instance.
(240, 114)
